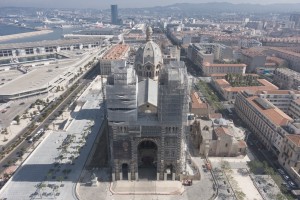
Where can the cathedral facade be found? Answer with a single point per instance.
(147, 105)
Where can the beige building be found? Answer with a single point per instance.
(294, 109)
(229, 92)
(287, 79)
(212, 68)
(289, 158)
(277, 131)
(282, 99)
(218, 137)
(292, 57)
(253, 59)
(198, 107)
(205, 54)
(116, 53)
(263, 118)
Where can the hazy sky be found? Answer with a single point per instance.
(104, 4)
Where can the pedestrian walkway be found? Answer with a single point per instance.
(147, 187)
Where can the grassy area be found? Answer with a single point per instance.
(210, 96)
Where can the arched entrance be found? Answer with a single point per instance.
(125, 171)
(147, 160)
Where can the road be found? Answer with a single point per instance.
(24, 144)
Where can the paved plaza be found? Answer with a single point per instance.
(54, 168)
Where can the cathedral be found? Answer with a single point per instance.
(147, 105)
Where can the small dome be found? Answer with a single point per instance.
(221, 122)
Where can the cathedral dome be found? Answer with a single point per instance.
(148, 60)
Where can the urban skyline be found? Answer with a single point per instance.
(187, 101)
(128, 4)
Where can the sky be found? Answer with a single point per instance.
(105, 4)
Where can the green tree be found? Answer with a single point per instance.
(17, 119)
(279, 196)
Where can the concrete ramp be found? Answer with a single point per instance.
(147, 187)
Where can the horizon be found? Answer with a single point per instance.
(106, 5)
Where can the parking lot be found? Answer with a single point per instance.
(225, 191)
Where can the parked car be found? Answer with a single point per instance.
(286, 177)
(281, 171)
(292, 184)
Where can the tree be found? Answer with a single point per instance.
(279, 196)
(47, 100)
(17, 119)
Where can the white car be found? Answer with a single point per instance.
(292, 184)
(286, 177)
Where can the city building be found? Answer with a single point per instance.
(294, 109)
(114, 14)
(277, 131)
(228, 68)
(214, 58)
(48, 46)
(292, 57)
(147, 117)
(253, 59)
(263, 118)
(295, 17)
(116, 53)
(229, 92)
(286, 78)
(197, 107)
(282, 99)
(171, 53)
(218, 137)
(289, 157)
(248, 43)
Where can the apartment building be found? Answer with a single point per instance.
(197, 107)
(116, 53)
(277, 131)
(253, 59)
(229, 92)
(205, 54)
(211, 68)
(286, 78)
(293, 58)
(263, 118)
(294, 109)
(282, 99)
(289, 158)
(198, 55)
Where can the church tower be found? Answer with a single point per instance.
(148, 60)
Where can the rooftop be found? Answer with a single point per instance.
(281, 50)
(265, 85)
(44, 43)
(116, 52)
(196, 102)
(274, 114)
(207, 64)
(34, 80)
(294, 139)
